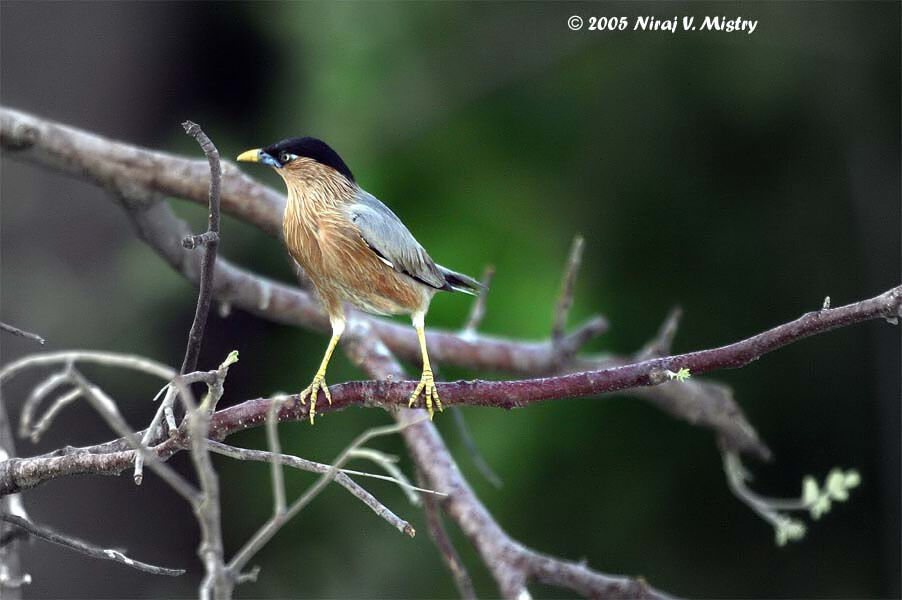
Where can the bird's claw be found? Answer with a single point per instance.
(318, 383)
(427, 386)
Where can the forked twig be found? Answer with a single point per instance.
(343, 478)
(210, 241)
(277, 520)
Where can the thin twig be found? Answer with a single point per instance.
(660, 344)
(207, 507)
(568, 285)
(470, 445)
(21, 333)
(193, 241)
(104, 405)
(108, 359)
(477, 311)
(12, 582)
(47, 419)
(48, 534)
(210, 243)
(269, 529)
(275, 465)
(12, 577)
(40, 391)
(389, 465)
(152, 431)
(341, 479)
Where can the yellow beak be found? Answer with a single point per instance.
(250, 156)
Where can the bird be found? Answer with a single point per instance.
(354, 249)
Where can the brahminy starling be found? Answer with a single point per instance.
(354, 249)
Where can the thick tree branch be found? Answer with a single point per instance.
(19, 473)
(511, 564)
(446, 548)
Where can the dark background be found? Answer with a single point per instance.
(743, 177)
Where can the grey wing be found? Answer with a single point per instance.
(392, 242)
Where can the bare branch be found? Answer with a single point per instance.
(152, 431)
(389, 465)
(210, 241)
(21, 333)
(661, 343)
(275, 450)
(108, 359)
(104, 405)
(48, 534)
(510, 563)
(584, 581)
(193, 241)
(39, 392)
(477, 311)
(342, 479)
(269, 529)
(12, 578)
(478, 461)
(447, 550)
(59, 404)
(206, 506)
(17, 474)
(568, 285)
(12, 582)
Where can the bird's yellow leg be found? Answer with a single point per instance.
(427, 382)
(319, 380)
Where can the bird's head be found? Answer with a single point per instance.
(298, 157)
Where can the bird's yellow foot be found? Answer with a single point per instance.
(427, 386)
(318, 383)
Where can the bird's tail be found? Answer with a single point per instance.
(458, 282)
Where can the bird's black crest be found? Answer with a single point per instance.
(313, 148)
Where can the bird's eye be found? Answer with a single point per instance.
(285, 157)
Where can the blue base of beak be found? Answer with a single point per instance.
(266, 159)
